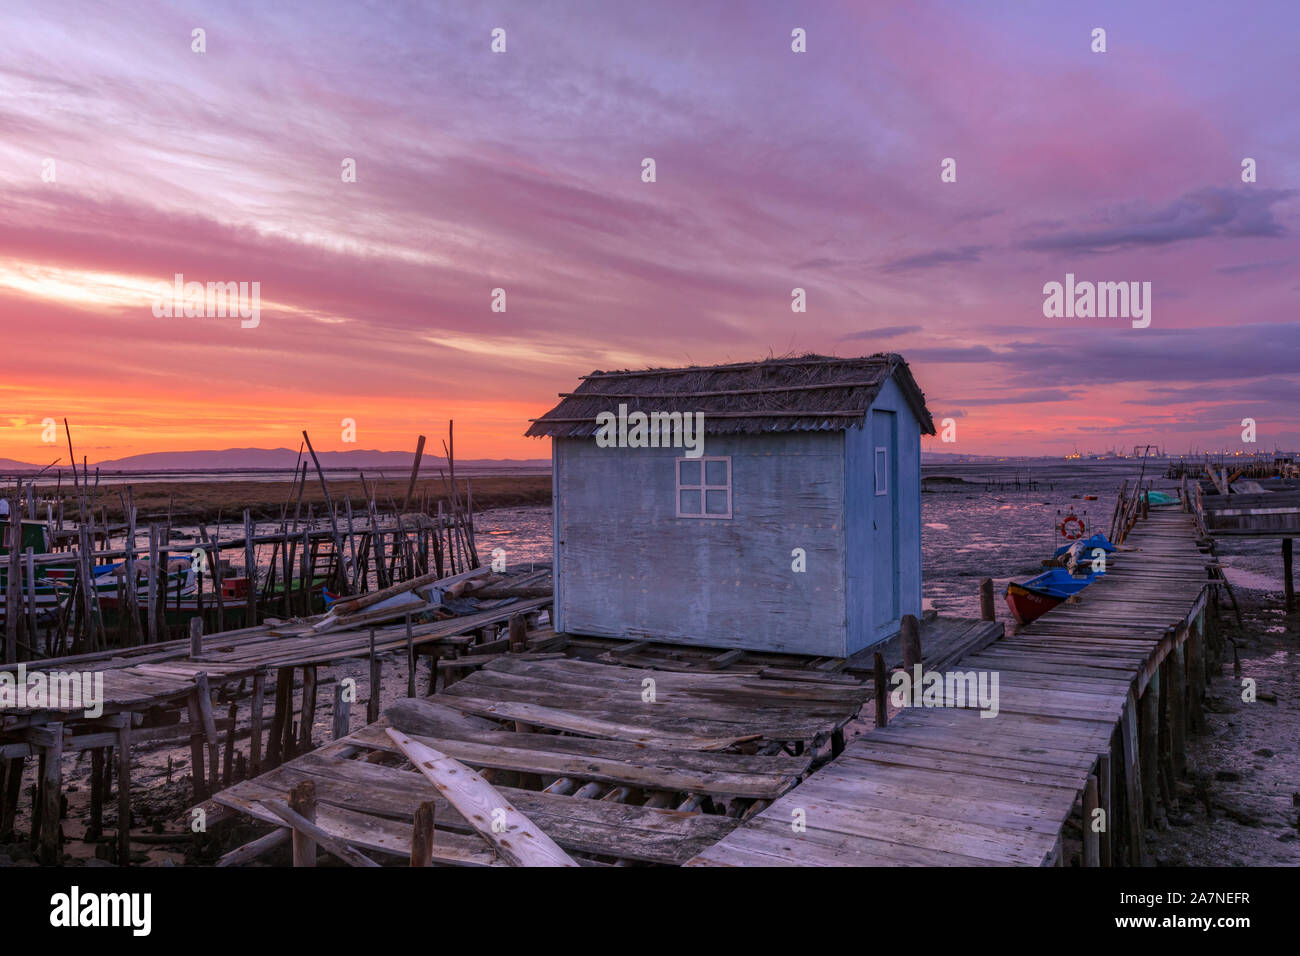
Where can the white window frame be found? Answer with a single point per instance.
(703, 487)
(882, 476)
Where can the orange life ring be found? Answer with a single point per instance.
(1071, 523)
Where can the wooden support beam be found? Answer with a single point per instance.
(302, 801)
(257, 848)
(1134, 825)
(124, 795)
(342, 713)
(376, 679)
(1149, 747)
(1091, 821)
(910, 638)
(1106, 851)
(881, 682)
(203, 697)
(987, 608)
(1288, 579)
(256, 706)
(197, 775)
(422, 833)
(322, 837)
(1177, 703)
(308, 715)
(51, 796)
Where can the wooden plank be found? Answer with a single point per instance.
(514, 837)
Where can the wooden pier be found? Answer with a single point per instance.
(1095, 701)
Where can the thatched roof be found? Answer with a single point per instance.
(807, 393)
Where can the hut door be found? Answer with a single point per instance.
(884, 517)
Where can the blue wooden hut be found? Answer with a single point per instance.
(793, 526)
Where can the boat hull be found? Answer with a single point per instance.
(1027, 605)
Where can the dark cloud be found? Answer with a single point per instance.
(1214, 211)
(887, 332)
(1243, 267)
(935, 258)
(1028, 398)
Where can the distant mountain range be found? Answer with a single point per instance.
(280, 459)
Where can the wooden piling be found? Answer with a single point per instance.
(1288, 579)
(228, 758)
(302, 800)
(1091, 836)
(250, 571)
(1106, 849)
(410, 659)
(95, 825)
(518, 634)
(197, 775)
(203, 696)
(1134, 826)
(124, 793)
(1149, 747)
(255, 720)
(422, 833)
(987, 612)
(910, 638)
(196, 637)
(342, 713)
(51, 793)
(881, 690)
(1177, 703)
(308, 715)
(372, 703)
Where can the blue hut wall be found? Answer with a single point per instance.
(882, 531)
(625, 565)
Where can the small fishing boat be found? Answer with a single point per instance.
(55, 580)
(1030, 600)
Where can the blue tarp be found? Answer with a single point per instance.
(1058, 583)
(1096, 541)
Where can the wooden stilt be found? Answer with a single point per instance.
(203, 697)
(302, 801)
(124, 794)
(1195, 679)
(1288, 580)
(422, 835)
(881, 690)
(1177, 703)
(372, 704)
(1133, 804)
(987, 612)
(95, 826)
(228, 758)
(910, 637)
(279, 714)
(255, 719)
(342, 713)
(10, 795)
(1150, 732)
(51, 795)
(1106, 850)
(308, 716)
(1091, 821)
(197, 774)
(286, 728)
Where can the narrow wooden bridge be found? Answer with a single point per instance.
(1095, 701)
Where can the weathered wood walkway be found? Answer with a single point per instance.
(642, 751)
(946, 786)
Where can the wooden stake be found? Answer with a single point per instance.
(1091, 838)
(308, 716)
(124, 794)
(372, 704)
(342, 713)
(910, 638)
(422, 833)
(302, 801)
(51, 791)
(203, 695)
(196, 637)
(882, 690)
(255, 719)
(987, 612)
(1288, 579)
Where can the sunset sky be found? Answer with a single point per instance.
(522, 170)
